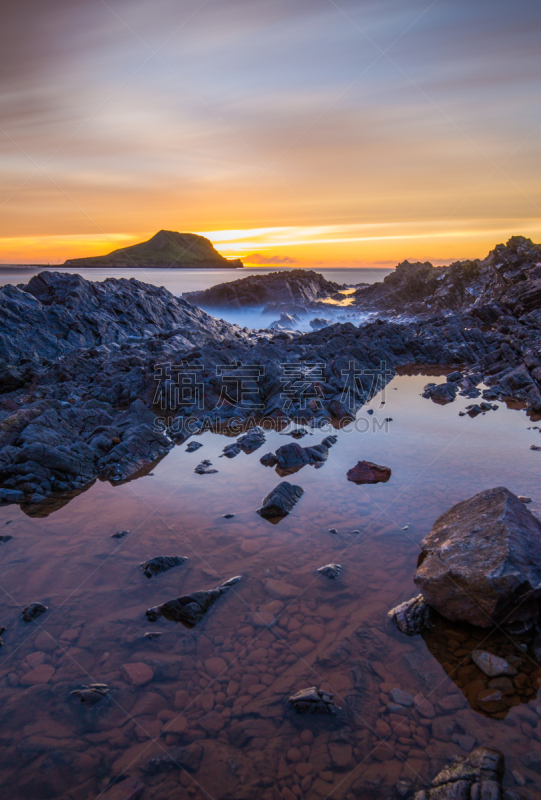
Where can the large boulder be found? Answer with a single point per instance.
(482, 561)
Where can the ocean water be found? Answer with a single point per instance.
(203, 713)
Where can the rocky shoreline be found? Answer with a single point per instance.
(88, 391)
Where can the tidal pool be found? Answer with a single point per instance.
(202, 713)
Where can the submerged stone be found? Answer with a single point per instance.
(330, 570)
(413, 616)
(491, 664)
(161, 564)
(191, 608)
(119, 534)
(33, 611)
(477, 776)
(91, 694)
(313, 701)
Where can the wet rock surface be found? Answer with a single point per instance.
(478, 775)
(368, 472)
(312, 701)
(482, 560)
(92, 694)
(280, 501)
(33, 611)
(190, 609)
(161, 564)
(413, 616)
(289, 458)
(331, 571)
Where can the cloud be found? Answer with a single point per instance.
(271, 261)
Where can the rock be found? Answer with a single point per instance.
(152, 635)
(313, 701)
(524, 499)
(320, 322)
(204, 468)
(41, 674)
(190, 609)
(491, 664)
(193, 446)
(129, 789)
(137, 673)
(330, 570)
(413, 616)
(402, 697)
(161, 564)
(280, 501)
(368, 472)
(33, 611)
(248, 442)
(119, 534)
(478, 775)
(92, 694)
(4, 539)
(215, 665)
(228, 516)
(481, 558)
(291, 457)
(442, 393)
(491, 700)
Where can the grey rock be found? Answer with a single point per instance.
(280, 501)
(491, 664)
(483, 561)
(477, 776)
(161, 564)
(119, 534)
(402, 697)
(91, 694)
(204, 468)
(313, 701)
(291, 457)
(413, 616)
(190, 609)
(193, 446)
(330, 570)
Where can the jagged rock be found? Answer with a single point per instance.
(248, 442)
(476, 777)
(161, 564)
(91, 694)
(119, 534)
(297, 286)
(280, 501)
(413, 616)
(330, 570)
(190, 609)
(204, 468)
(319, 322)
(33, 611)
(287, 322)
(291, 457)
(313, 701)
(482, 560)
(368, 472)
(193, 446)
(440, 393)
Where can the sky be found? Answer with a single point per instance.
(338, 133)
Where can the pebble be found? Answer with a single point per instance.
(41, 674)
(402, 697)
(228, 516)
(491, 664)
(333, 530)
(119, 534)
(215, 666)
(524, 499)
(33, 611)
(137, 673)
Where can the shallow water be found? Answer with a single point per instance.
(222, 687)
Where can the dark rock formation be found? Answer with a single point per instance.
(248, 443)
(290, 458)
(280, 501)
(474, 777)
(119, 534)
(33, 611)
(368, 472)
(330, 571)
(190, 609)
(482, 561)
(412, 617)
(204, 468)
(193, 446)
(313, 701)
(296, 286)
(161, 564)
(319, 322)
(92, 694)
(166, 249)
(441, 393)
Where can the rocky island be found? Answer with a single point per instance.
(166, 249)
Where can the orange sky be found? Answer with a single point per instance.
(356, 133)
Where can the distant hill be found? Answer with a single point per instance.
(166, 249)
